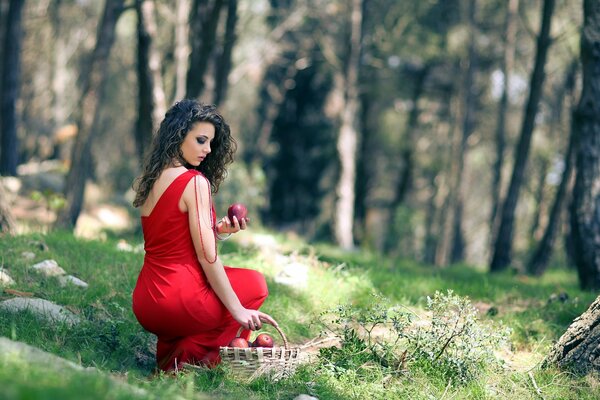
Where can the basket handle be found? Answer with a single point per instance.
(285, 341)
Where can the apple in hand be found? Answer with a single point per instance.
(239, 342)
(238, 210)
(263, 340)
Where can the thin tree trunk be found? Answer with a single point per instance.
(224, 60)
(204, 21)
(431, 239)
(92, 84)
(538, 200)
(348, 136)
(539, 261)
(577, 348)
(182, 47)
(9, 88)
(510, 34)
(143, 124)
(541, 256)
(151, 94)
(504, 239)
(457, 247)
(585, 207)
(408, 149)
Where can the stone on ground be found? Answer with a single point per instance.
(5, 279)
(41, 308)
(49, 268)
(65, 280)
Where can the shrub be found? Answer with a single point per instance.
(450, 343)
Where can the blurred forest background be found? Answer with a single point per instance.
(437, 130)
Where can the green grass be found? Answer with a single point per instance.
(110, 339)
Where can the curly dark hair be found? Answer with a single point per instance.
(166, 146)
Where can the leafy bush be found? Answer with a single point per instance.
(449, 344)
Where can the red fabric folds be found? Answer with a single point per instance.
(172, 297)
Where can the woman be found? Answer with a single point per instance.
(184, 294)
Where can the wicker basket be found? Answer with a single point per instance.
(250, 363)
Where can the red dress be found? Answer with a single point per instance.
(172, 297)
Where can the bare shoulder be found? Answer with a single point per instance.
(196, 187)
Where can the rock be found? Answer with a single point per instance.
(5, 279)
(49, 268)
(561, 297)
(33, 355)
(294, 274)
(28, 255)
(42, 308)
(305, 397)
(65, 280)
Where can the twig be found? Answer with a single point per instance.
(537, 389)
(447, 387)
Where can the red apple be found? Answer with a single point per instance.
(238, 210)
(239, 342)
(263, 340)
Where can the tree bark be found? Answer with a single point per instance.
(577, 349)
(504, 239)
(182, 48)
(539, 199)
(585, 206)
(510, 33)
(348, 137)
(408, 149)
(541, 256)
(87, 119)
(457, 246)
(151, 94)
(9, 88)
(203, 22)
(224, 59)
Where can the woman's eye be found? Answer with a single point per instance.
(201, 140)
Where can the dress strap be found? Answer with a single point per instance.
(212, 222)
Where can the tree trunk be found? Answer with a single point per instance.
(585, 207)
(408, 149)
(7, 222)
(504, 239)
(224, 60)
(541, 256)
(348, 137)
(538, 199)
(9, 88)
(510, 33)
(457, 246)
(203, 22)
(151, 94)
(577, 348)
(182, 48)
(92, 85)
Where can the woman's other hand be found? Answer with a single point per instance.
(253, 319)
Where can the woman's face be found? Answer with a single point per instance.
(196, 145)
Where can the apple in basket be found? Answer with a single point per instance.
(239, 342)
(238, 210)
(263, 340)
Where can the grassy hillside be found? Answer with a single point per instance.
(110, 339)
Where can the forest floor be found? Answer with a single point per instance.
(305, 282)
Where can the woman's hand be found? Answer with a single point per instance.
(225, 225)
(253, 319)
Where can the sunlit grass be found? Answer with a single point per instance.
(110, 339)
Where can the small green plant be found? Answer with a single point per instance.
(456, 345)
(451, 343)
(51, 200)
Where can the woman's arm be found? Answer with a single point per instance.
(197, 199)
